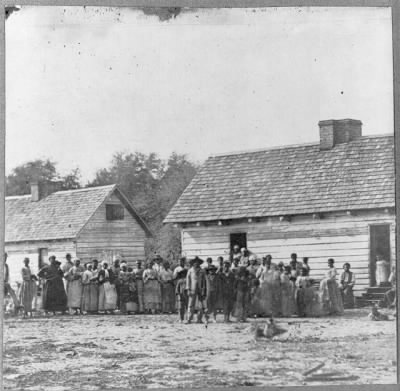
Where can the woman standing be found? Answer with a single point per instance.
(330, 297)
(167, 289)
(89, 296)
(107, 291)
(28, 288)
(347, 282)
(287, 302)
(54, 297)
(263, 298)
(74, 276)
(152, 292)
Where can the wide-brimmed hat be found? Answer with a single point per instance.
(197, 260)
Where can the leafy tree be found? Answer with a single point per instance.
(18, 182)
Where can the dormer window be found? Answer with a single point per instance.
(114, 212)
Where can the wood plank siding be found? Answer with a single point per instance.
(103, 239)
(337, 235)
(18, 251)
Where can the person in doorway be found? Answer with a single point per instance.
(196, 285)
(347, 282)
(54, 296)
(28, 288)
(7, 287)
(235, 254)
(382, 270)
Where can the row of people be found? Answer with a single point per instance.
(268, 289)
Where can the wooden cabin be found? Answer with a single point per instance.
(96, 222)
(332, 199)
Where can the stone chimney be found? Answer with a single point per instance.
(333, 132)
(42, 189)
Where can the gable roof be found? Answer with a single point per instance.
(291, 180)
(61, 215)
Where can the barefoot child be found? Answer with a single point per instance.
(181, 294)
(212, 290)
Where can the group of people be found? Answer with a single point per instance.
(238, 287)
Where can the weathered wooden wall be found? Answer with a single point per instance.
(103, 239)
(340, 236)
(18, 251)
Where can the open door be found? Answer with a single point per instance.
(379, 244)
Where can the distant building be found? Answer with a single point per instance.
(333, 199)
(96, 222)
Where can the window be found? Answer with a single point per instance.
(114, 212)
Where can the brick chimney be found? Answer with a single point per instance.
(42, 189)
(338, 131)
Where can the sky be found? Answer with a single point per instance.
(83, 83)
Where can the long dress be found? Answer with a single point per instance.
(263, 299)
(89, 292)
(152, 291)
(167, 290)
(287, 302)
(347, 281)
(74, 292)
(276, 293)
(330, 297)
(27, 289)
(54, 297)
(107, 292)
(139, 286)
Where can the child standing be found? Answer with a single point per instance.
(212, 290)
(242, 289)
(181, 294)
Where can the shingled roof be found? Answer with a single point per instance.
(60, 215)
(291, 180)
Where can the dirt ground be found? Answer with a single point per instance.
(145, 351)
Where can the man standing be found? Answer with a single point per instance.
(7, 286)
(196, 286)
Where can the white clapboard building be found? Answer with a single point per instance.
(332, 199)
(89, 223)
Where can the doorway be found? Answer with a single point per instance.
(379, 243)
(238, 239)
